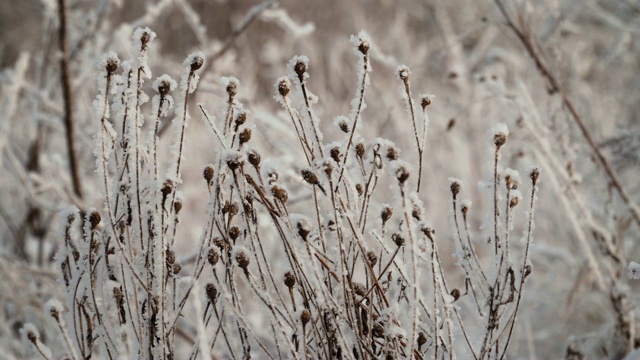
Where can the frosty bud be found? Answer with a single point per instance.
(280, 193)
(177, 206)
(335, 154)
(305, 316)
(456, 294)
(164, 87)
(94, 220)
(243, 260)
(464, 209)
(397, 239)
(234, 232)
(455, 188)
(428, 231)
(422, 339)
(344, 126)
(425, 101)
(32, 336)
(144, 40)
(402, 175)
(363, 47)
(196, 63)
(360, 150)
(289, 279)
(254, 158)
(403, 73)
(500, 139)
(300, 68)
(241, 118)
(310, 177)
(234, 163)
(514, 202)
(283, 88)
(244, 136)
(535, 174)
(208, 173)
(167, 187)
(232, 89)
(213, 257)
(372, 257)
(112, 65)
(392, 153)
(386, 213)
(211, 292)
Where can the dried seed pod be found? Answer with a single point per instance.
(164, 87)
(196, 62)
(499, 139)
(429, 232)
(300, 68)
(254, 158)
(303, 229)
(283, 87)
(534, 175)
(241, 119)
(212, 292)
(244, 136)
(170, 257)
(397, 239)
(234, 163)
(176, 269)
(310, 177)
(167, 188)
(416, 212)
(373, 258)
(422, 339)
(360, 150)
(280, 193)
(344, 126)
(289, 279)
(465, 209)
(455, 188)
(177, 206)
(377, 330)
(243, 260)
(403, 73)
(94, 219)
(359, 189)
(363, 47)
(335, 154)
(208, 173)
(386, 213)
(392, 153)
(456, 294)
(213, 257)
(219, 243)
(425, 101)
(402, 174)
(305, 316)
(112, 65)
(232, 89)
(234, 232)
(233, 209)
(514, 202)
(527, 270)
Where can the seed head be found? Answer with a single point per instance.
(177, 206)
(343, 126)
(359, 289)
(234, 163)
(422, 339)
(456, 294)
(289, 279)
(402, 174)
(372, 257)
(254, 158)
(428, 231)
(397, 239)
(167, 188)
(300, 68)
(527, 270)
(303, 229)
(363, 47)
(305, 316)
(112, 65)
(212, 292)
(455, 188)
(425, 101)
(176, 269)
(392, 153)
(232, 89)
(310, 177)
(241, 119)
(170, 256)
(283, 87)
(280, 193)
(196, 62)
(335, 154)
(94, 219)
(32, 336)
(359, 189)
(244, 136)
(360, 150)
(403, 73)
(213, 257)
(464, 209)
(514, 202)
(535, 174)
(386, 213)
(234, 232)
(242, 259)
(499, 139)
(208, 173)
(416, 212)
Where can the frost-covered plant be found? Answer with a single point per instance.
(314, 265)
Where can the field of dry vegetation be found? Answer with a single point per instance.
(333, 179)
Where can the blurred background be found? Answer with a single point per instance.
(463, 52)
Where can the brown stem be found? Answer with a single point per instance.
(67, 97)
